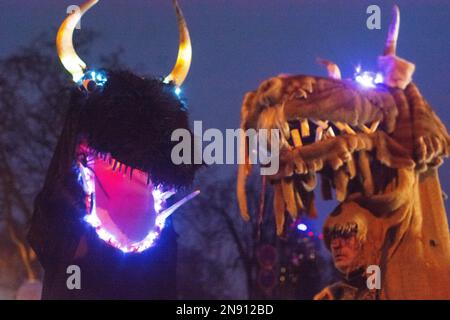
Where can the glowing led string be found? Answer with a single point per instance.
(87, 179)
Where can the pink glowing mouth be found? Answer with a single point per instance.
(123, 206)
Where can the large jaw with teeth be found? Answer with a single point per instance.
(343, 129)
(339, 129)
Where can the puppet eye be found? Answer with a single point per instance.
(93, 80)
(368, 79)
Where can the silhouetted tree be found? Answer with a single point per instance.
(213, 221)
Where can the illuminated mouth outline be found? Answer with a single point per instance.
(87, 178)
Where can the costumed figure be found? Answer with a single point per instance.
(105, 206)
(348, 236)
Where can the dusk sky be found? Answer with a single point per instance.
(238, 44)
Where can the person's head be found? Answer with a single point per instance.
(345, 233)
(345, 250)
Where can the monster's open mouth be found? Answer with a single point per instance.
(123, 205)
(357, 140)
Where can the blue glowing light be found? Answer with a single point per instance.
(368, 79)
(177, 91)
(99, 77)
(379, 78)
(302, 227)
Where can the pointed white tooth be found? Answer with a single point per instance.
(330, 132)
(300, 94)
(296, 138)
(319, 133)
(308, 86)
(304, 125)
(166, 195)
(114, 165)
(344, 127)
(374, 126)
(364, 128)
(320, 123)
(166, 213)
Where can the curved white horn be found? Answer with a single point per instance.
(394, 28)
(64, 42)
(181, 69)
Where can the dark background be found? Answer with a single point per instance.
(238, 44)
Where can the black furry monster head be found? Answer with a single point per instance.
(112, 166)
(125, 117)
(132, 119)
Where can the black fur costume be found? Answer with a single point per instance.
(132, 119)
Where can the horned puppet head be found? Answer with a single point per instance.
(123, 142)
(365, 136)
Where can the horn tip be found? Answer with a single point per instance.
(394, 28)
(396, 13)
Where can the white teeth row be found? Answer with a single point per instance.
(324, 129)
(117, 166)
